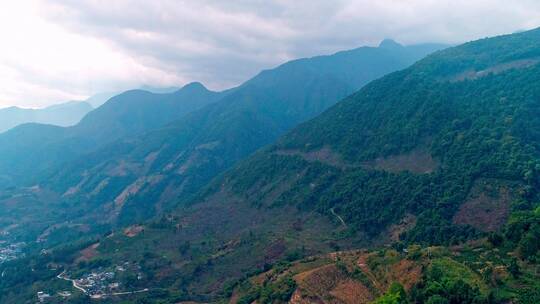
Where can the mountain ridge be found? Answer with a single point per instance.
(65, 114)
(184, 158)
(125, 114)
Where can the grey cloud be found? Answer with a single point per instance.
(222, 43)
(203, 40)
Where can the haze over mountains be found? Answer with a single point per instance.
(126, 114)
(66, 114)
(271, 192)
(63, 114)
(99, 99)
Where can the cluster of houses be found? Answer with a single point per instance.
(100, 283)
(9, 252)
(97, 283)
(43, 296)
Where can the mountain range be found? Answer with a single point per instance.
(30, 149)
(161, 148)
(65, 114)
(367, 176)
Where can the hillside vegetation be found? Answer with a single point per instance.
(434, 169)
(348, 178)
(140, 176)
(481, 131)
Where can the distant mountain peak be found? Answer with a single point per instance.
(389, 43)
(11, 108)
(194, 85)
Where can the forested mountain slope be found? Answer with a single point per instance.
(441, 153)
(438, 134)
(137, 177)
(27, 150)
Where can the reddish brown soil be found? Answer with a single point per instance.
(133, 231)
(416, 161)
(362, 264)
(327, 284)
(406, 272)
(351, 292)
(299, 298)
(324, 155)
(485, 211)
(88, 253)
(497, 69)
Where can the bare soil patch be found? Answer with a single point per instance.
(88, 253)
(417, 161)
(351, 292)
(327, 284)
(133, 231)
(406, 272)
(496, 69)
(324, 155)
(487, 208)
(407, 223)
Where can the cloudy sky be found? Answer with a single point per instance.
(59, 50)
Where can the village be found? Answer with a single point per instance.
(98, 284)
(10, 252)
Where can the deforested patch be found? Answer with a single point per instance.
(133, 231)
(494, 70)
(135, 187)
(122, 168)
(327, 282)
(88, 253)
(351, 291)
(97, 190)
(488, 206)
(417, 161)
(208, 146)
(324, 155)
(265, 193)
(75, 189)
(405, 224)
(406, 272)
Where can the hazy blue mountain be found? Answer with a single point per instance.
(172, 163)
(28, 149)
(99, 99)
(159, 90)
(65, 114)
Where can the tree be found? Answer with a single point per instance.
(395, 295)
(437, 299)
(495, 239)
(513, 268)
